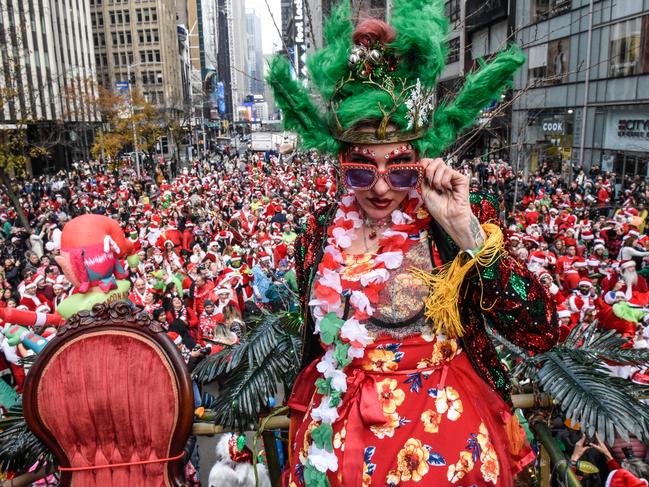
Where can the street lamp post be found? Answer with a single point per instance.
(130, 96)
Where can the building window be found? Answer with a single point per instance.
(154, 14)
(111, 14)
(545, 9)
(624, 52)
(157, 56)
(453, 10)
(116, 58)
(138, 14)
(549, 62)
(156, 36)
(454, 50)
(558, 62)
(142, 57)
(127, 17)
(114, 36)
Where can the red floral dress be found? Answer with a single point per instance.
(415, 410)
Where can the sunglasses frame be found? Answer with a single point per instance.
(382, 173)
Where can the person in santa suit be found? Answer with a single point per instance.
(565, 321)
(567, 275)
(608, 320)
(188, 236)
(179, 311)
(135, 240)
(548, 283)
(628, 281)
(224, 300)
(531, 214)
(59, 295)
(30, 298)
(139, 292)
(202, 290)
(582, 298)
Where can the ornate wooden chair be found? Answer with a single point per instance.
(111, 397)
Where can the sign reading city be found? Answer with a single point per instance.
(627, 130)
(299, 39)
(633, 128)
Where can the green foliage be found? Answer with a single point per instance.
(573, 373)
(253, 368)
(480, 88)
(300, 113)
(19, 448)
(421, 39)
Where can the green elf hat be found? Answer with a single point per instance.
(385, 76)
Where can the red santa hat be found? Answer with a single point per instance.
(175, 337)
(154, 225)
(538, 257)
(599, 246)
(624, 478)
(585, 282)
(33, 281)
(570, 242)
(587, 235)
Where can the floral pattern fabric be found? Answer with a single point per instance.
(439, 423)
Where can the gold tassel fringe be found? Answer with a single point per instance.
(446, 281)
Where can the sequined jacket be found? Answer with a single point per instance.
(517, 305)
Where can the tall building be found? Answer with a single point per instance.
(255, 57)
(231, 58)
(487, 29)
(139, 38)
(587, 79)
(48, 72)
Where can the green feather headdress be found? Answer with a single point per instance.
(388, 82)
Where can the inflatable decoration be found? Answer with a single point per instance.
(16, 335)
(29, 318)
(91, 249)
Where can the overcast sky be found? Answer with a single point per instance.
(270, 36)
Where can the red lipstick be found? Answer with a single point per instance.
(380, 203)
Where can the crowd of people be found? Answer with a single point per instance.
(216, 242)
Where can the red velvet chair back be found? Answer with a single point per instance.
(110, 389)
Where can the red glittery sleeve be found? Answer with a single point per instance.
(512, 299)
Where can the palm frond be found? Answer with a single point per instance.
(249, 387)
(590, 396)
(518, 360)
(268, 356)
(213, 366)
(19, 448)
(591, 345)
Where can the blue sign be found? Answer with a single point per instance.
(121, 87)
(220, 96)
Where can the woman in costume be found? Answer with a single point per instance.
(402, 275)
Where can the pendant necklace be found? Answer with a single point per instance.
(375, 225)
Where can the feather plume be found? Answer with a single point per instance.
(480, 89)
(421, 43)
(300, 113)
(329, 64)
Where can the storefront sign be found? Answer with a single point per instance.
(627, 130)
(551, 126)
(299, 39)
